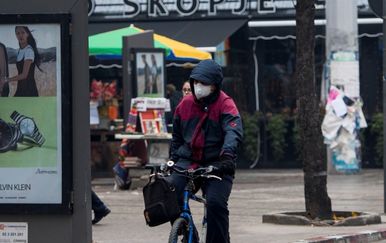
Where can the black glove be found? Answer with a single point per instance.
(226, 166)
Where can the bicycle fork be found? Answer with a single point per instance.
(189, 218)
(186, 214)
(204, 220)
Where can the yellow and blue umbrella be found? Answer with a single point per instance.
(109, 45)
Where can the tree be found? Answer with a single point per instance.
(313, 153)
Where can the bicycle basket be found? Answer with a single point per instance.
(160, 199)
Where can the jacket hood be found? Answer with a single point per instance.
(208, 72)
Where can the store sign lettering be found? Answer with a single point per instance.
(186, 11)
(157, 8)
(169, 8)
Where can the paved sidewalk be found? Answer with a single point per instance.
(255, 192)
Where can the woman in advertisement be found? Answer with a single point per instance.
(146, 73)
(3, 65)
(27, 59)
(154, 74)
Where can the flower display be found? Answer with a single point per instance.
(105, 95)
(103, 91)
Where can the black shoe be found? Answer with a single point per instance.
(99, 215)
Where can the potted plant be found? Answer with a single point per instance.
(277, 130)
(252, 137)
(376, 129)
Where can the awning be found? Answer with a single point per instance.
(198, 33)
(285, 29)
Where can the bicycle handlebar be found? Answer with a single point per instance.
(191, 173)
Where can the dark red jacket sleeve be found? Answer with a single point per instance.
(232, 127)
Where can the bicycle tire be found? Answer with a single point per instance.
(180, 231)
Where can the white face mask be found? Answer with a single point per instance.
(201, 90)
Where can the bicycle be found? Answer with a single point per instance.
(183, 229)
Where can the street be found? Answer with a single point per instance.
(255, 192)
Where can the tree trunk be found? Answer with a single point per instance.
(318, 203)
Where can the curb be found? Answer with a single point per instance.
(297, 218)
(363, 237)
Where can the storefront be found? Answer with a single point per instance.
(254, 40)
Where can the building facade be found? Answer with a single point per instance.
(254, 40)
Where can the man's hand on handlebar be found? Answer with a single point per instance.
(226, 166)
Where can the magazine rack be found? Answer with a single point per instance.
(150, 112)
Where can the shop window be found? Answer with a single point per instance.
(277, 77)
(279, 94)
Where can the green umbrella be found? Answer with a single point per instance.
(110, 43)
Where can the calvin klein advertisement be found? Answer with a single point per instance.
(30, 112)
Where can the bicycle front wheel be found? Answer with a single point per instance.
(180, 231)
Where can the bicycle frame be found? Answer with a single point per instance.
(186, 213)
(188, 194)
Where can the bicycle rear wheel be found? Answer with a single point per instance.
(179, 232)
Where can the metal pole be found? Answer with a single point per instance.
(341, 34)
(384, 107)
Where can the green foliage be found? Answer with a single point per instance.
(277, 130)
(376, 128)
(251, 141)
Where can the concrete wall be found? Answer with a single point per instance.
(75, 228)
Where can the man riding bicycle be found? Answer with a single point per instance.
(207, 130)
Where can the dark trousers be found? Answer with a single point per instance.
(96, 203)
(217, 194)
